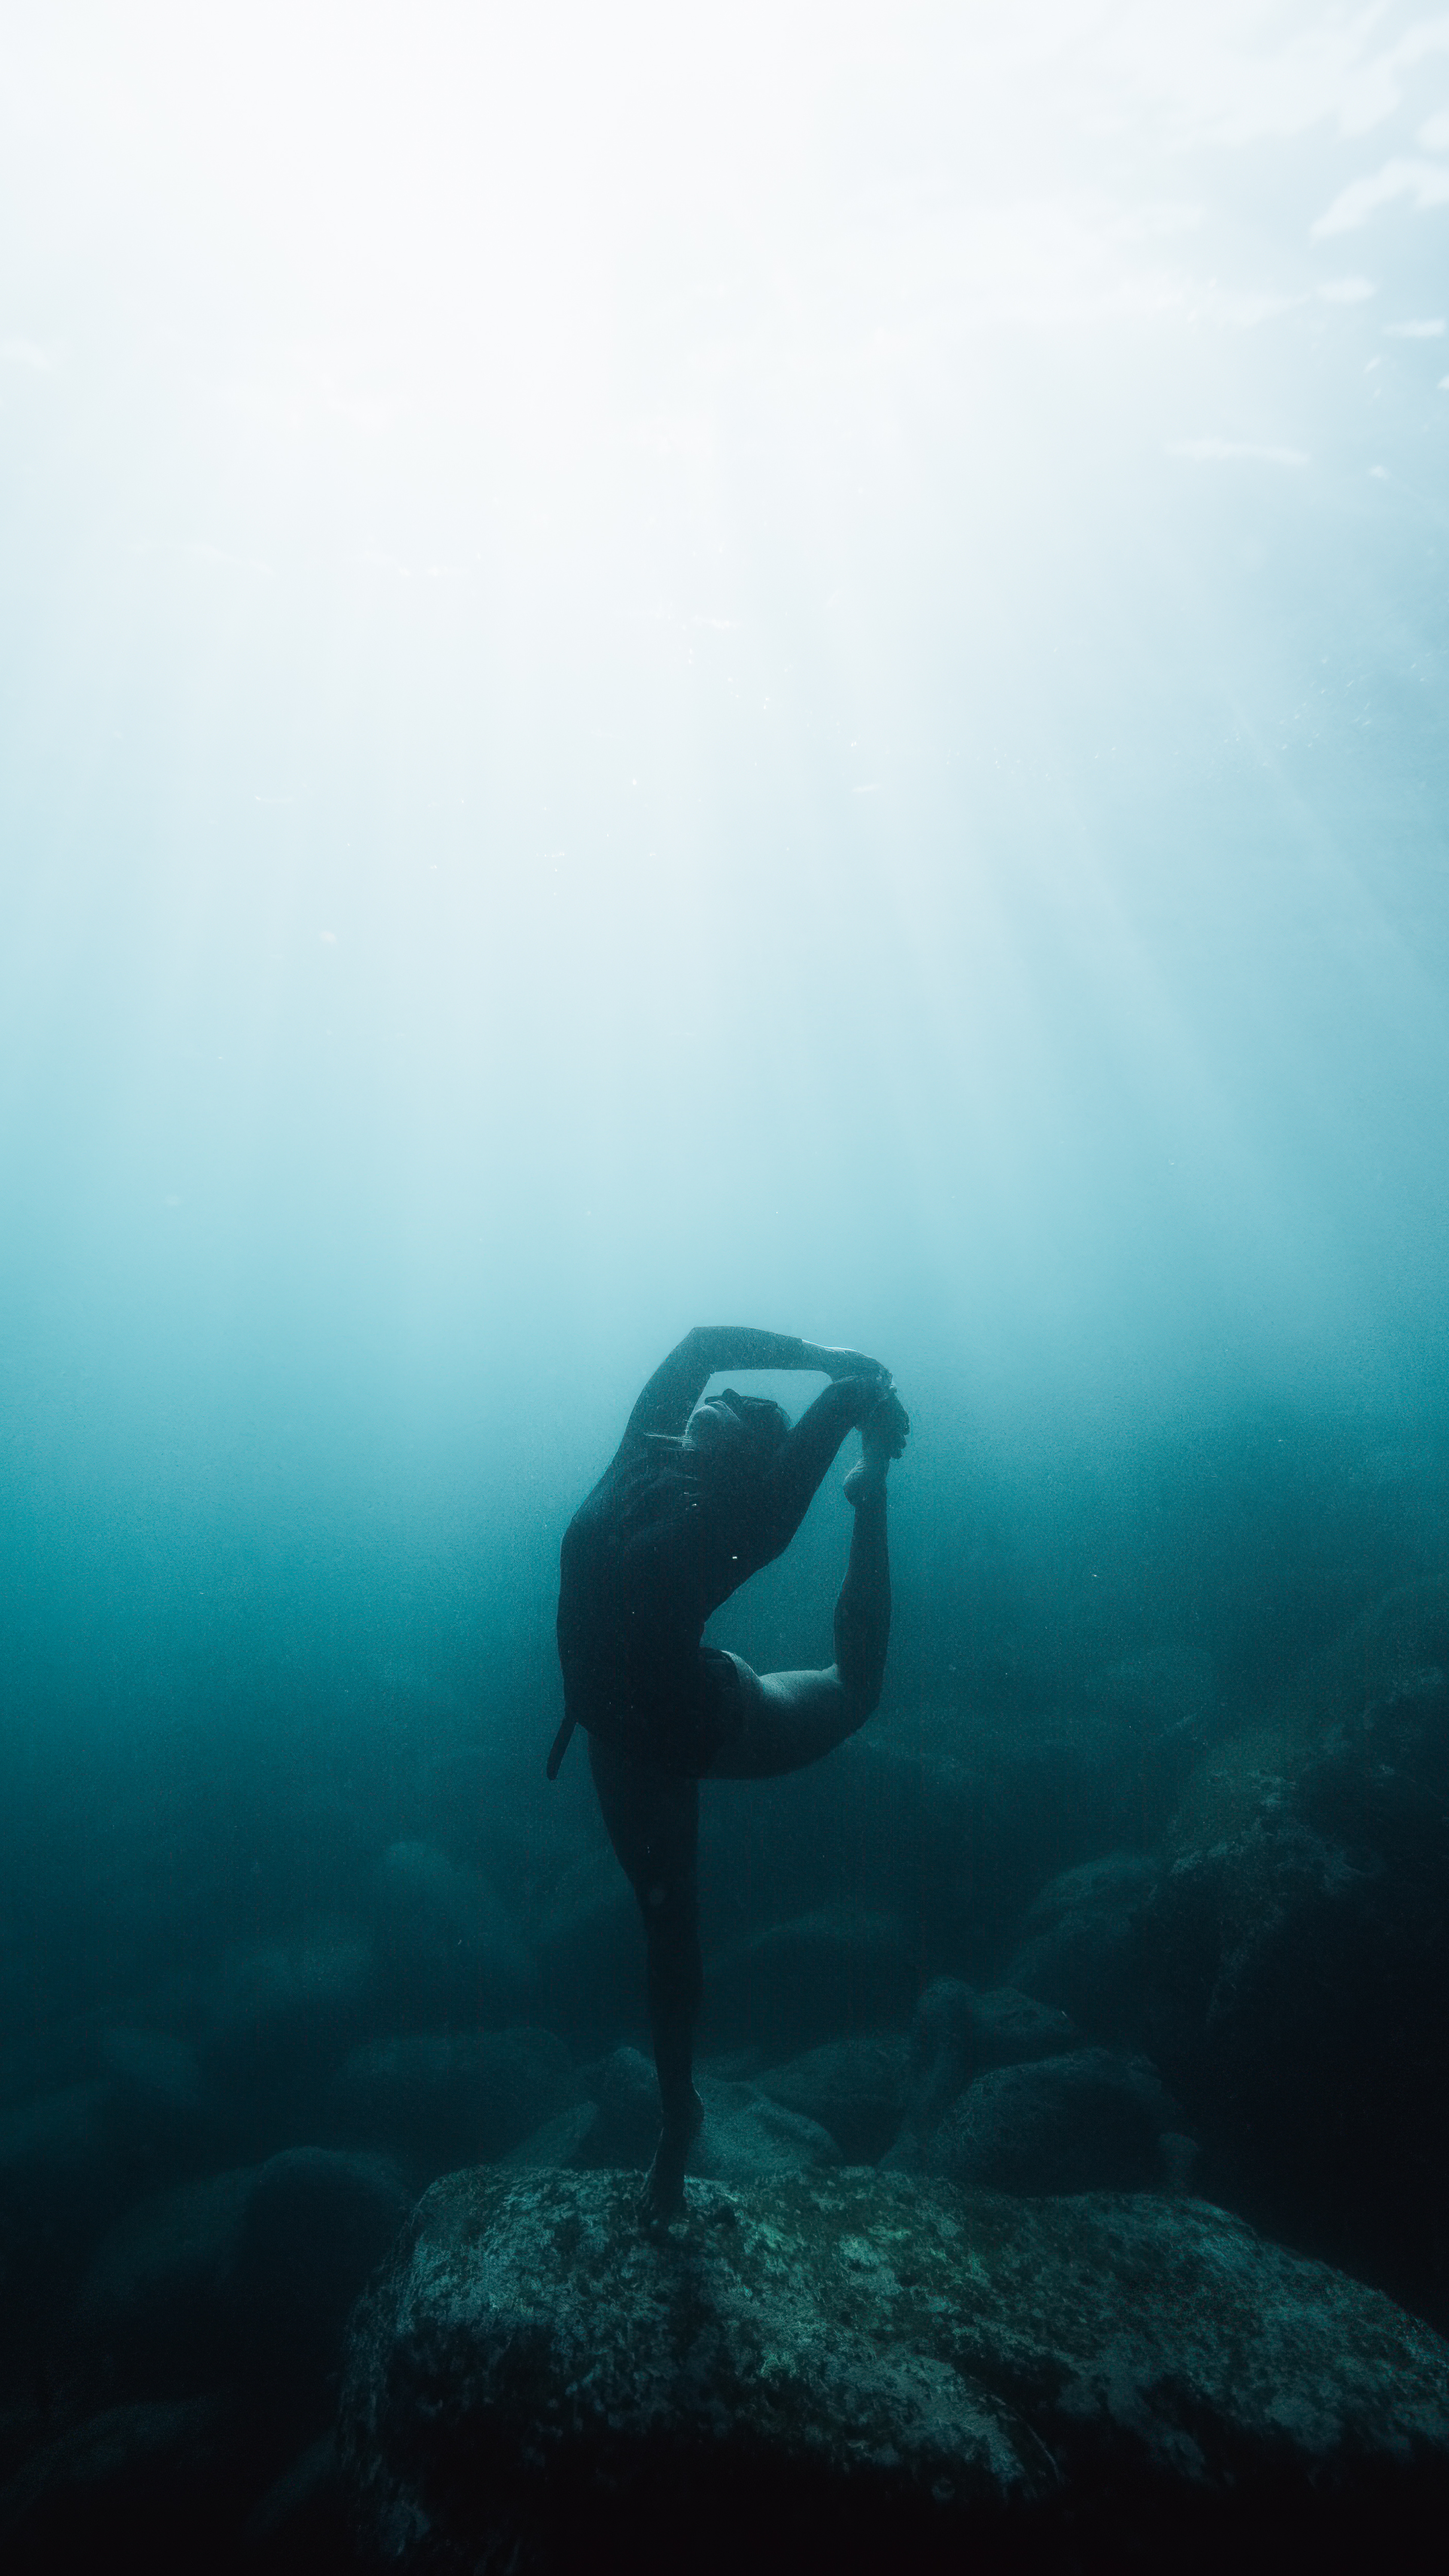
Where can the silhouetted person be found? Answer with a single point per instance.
(695, 1500)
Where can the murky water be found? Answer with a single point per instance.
(783, 665)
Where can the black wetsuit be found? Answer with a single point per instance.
(663, 1539)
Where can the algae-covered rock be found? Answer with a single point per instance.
(854, 2369)
(959, 2034)
(1297, 1957)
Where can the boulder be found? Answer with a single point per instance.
(1377, 1779)
(745, 2134)
(855, 2088)
(245, 2277)
(1083, 1946)
(444, 2098)
(1086, 2121)
(959, 2032)
(1297, 1954)
(626, 2130)
(854, 2370)
(313, 2226)
(1298, 2011)
(153, 2485)
(1008, 2028)
(564, 2141)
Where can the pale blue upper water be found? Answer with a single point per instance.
(784, 665)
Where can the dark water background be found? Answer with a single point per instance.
(789, 672)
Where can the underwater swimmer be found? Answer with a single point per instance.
(696, 1499)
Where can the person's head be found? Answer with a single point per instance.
(740, 1433)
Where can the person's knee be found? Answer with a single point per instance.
(670, 1911)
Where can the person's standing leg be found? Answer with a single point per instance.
(653, 1823)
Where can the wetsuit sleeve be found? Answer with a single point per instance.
(804, 1456)
(678, 1383)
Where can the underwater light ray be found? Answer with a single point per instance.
(368, 336)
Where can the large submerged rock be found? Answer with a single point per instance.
(1298, 1956)
(853, 2369)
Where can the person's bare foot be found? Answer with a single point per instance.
(662, 2197)
(883, 1436)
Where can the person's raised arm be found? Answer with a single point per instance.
(838, 1364)
(804, 1456)
(678, 1383)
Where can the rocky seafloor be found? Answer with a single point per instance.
(851, 2367)
(1146, 1966)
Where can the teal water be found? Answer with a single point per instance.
(786, 665)
(658, 671)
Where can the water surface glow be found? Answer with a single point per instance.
(669, 663)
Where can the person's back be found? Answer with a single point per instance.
(632, 1599)
(666, 1535)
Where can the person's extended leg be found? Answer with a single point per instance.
(653, 1823)
(791, 1719)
